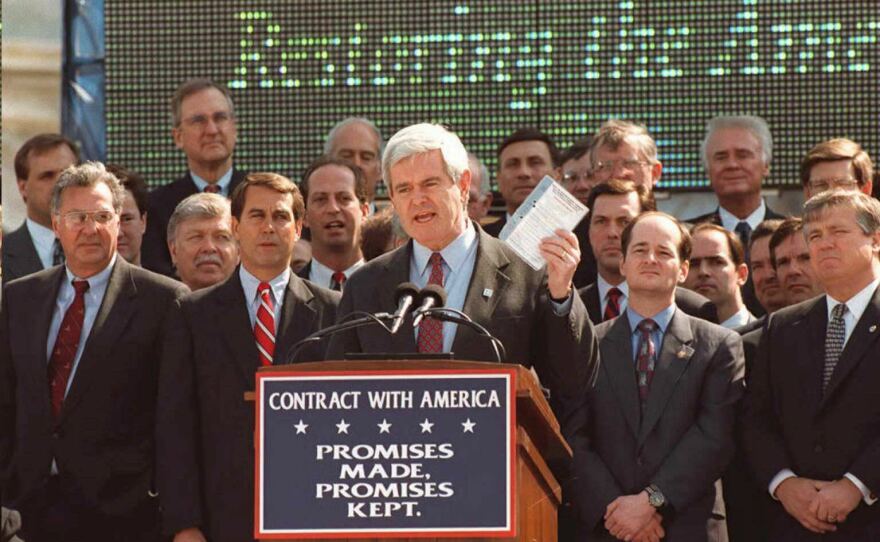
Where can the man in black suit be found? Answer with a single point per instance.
(204, 128)
(768, 289)
(33, 246)
(736, 153)
(576, 172)
(216, 340)
(524, 158)
(536, 314)
(78, 377)
(812, 425)
(662, 410)
(614, 204)
(336, 207)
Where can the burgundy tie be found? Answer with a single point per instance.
(612, 307)
(337, 281)
(645, 358)
(66, 345)
(431, 330)
(264, 327)
(212, 189)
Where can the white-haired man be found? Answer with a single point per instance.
(358, 140)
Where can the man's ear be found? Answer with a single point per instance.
(685, 269)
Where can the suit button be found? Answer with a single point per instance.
(818, 449)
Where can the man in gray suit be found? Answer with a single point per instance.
(78, 371)
(663, 407)
(537, 315)
(33, 245)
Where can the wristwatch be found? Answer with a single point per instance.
(656, 497)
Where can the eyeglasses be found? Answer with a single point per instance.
(201, 121)
(78, 219)
(821, 185)
(571, 177)
(612, 165)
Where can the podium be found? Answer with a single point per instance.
(542, 456)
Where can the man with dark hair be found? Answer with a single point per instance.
(811, 411)
(33, 245)
(336, 206)
(768, 290)
(613, 205)
(625, 150)
(663, 407)
(204, 128)
(578, 179)
(791, 260)
(524, 158)
(216, 339)
(133, 220)
(78, 377)
(837, 163)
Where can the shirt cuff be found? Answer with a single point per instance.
(780, 477)
(562, 309)
(868, 497)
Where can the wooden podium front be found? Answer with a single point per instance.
(539, 445)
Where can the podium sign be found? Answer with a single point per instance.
(385, 453)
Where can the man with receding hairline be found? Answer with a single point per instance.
(359, 141)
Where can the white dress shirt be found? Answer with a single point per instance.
(740, 318)
(277, 286)
(322, 275)
(44, 242)
(729, 220)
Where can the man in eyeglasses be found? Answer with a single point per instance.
(578, 179)
(79, 362)
(625, 150)
(204, 128)
(836, 163)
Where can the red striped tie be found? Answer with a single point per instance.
(264, 328)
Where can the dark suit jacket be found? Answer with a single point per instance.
(163, 200)
(519, 312)
(104, 437)
(687, 300)
(20, 256)
(494, 229)
(790, 423)
(205, 429)
(305, 271)
(748, 289)
(683, 442)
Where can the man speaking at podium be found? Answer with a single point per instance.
(536, 314)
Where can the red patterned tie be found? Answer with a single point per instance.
(66, 344)
(612, 307)
(337, 281)
(431, 330)
(645, 358)
(212, 189)
(264, 327)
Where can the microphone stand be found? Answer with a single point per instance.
(456, 316)
(365, 319)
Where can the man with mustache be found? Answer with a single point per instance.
(718, 271)
(791, 259)
(200, 240)
(335, 194)
(204, 128)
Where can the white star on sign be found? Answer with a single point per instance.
(384, 427)
(426, 426)
(301, 427)
(468, 426)
(342, 427)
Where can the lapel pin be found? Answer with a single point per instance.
(873, 328)
(681, 354)
(487, 293)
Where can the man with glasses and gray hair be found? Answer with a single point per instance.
(79, 361)
(624, 150)
(200, 240)
(837, 163)
(204, 128)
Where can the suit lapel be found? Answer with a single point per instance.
(618, 362)
(590, 297)
(113, 316)
(44, 293)
(675, 355)
(298, 317)
(488, 276)
(231, 317)
(863, 337)
(811, 350)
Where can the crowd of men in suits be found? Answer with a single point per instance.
(713, 376)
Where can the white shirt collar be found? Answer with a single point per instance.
(250, 284)
(321, 275)
(44, 241)
(454, 254)
(857, 304)
(741, 318)
(729, 221)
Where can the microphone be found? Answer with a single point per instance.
(432, 296)
(404, 296)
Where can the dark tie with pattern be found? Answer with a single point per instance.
(431, 330)
(645, 358)
(212, 189)
(834, 338)
(337, 280)
(612, 306)
(66, 345)
(264, 327)
(57, 253)
(744, 232)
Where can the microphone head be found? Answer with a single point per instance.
(405, 289)
(434, 291)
